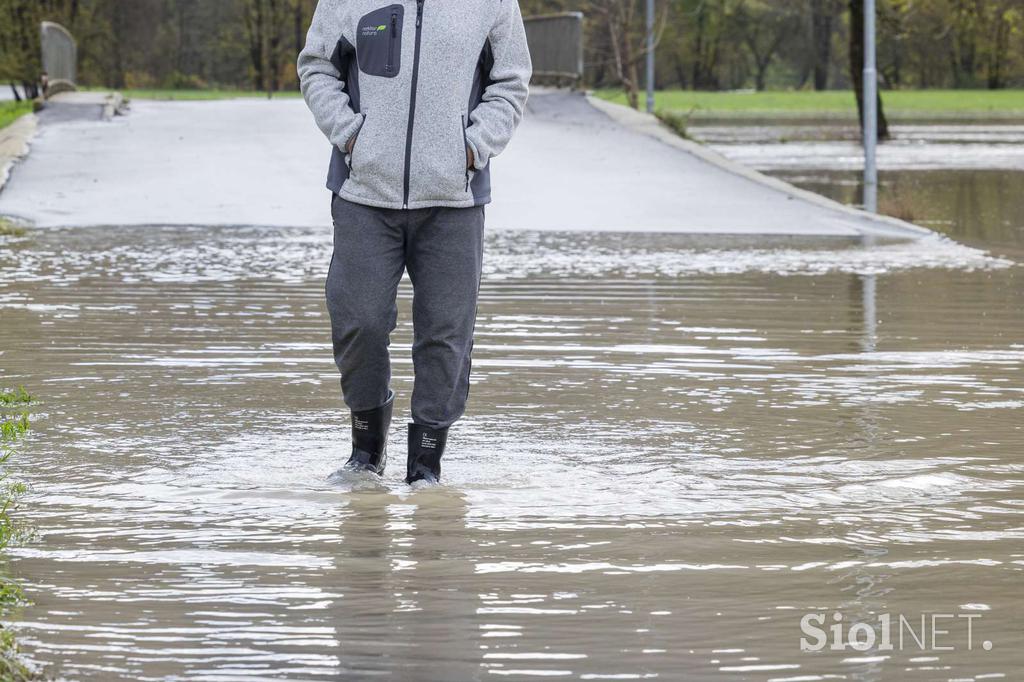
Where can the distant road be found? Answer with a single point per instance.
(575, 165)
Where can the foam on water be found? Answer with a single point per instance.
(182, 255)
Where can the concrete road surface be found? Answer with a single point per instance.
(574, 165)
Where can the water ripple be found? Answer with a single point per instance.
(674, 449)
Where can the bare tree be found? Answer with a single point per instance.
(300, 10)
(997, 23)
(765, 25)
(255, 33)
(857, 68)
(713, 19)
(20, 62)
(624, 21)
(702, 44)
(823, 17)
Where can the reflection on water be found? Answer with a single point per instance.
(675, 449)
(981, 208)
(964, 180)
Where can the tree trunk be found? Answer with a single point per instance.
(627, 70)
(857, 68)
(254, 25)
(822, 19)
(680, 69)
(698, 51)
(274, 26)
(759, 78)
(118, 25)
(998, 52)
(619, 19)
(299, 26)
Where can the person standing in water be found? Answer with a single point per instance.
(415, 97)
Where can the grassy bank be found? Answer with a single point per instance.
(9, 229)
(980, 104)
(14, 424)
(776, 104)
(198, 95)
(12, 111)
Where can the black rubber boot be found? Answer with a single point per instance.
(426, 446)
(370, 438)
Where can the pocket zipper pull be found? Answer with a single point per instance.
(389, 66)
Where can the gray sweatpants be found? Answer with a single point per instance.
(442, 248)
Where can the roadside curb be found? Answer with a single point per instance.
(14, 144)
(648, 124)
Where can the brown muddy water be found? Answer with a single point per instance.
(677, 448)
(964, 179)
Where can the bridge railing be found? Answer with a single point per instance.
(60, 56)
(556, 45)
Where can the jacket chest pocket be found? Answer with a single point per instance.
(379, 41)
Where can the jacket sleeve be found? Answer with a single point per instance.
(321, 82)
(501, 107)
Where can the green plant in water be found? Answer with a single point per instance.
(679, 122)
(17, 396)
(12, 429)
(9, 229)
(12, 669)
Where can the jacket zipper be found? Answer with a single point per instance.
(412, 102)
(391, 43)
(465, 147)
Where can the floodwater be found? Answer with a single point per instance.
(676, 449)
(964, 179)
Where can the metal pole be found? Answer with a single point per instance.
(650, 56)
(870, 110)
(869, 304)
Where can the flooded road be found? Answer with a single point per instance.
(675, 449)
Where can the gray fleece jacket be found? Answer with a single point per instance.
(415, 83)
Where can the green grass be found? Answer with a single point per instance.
(12, 111)
(9, 229)
(13, 428)
(837, 103)
(167, 94)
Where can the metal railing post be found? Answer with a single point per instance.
(650, 56)
(870, 110)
